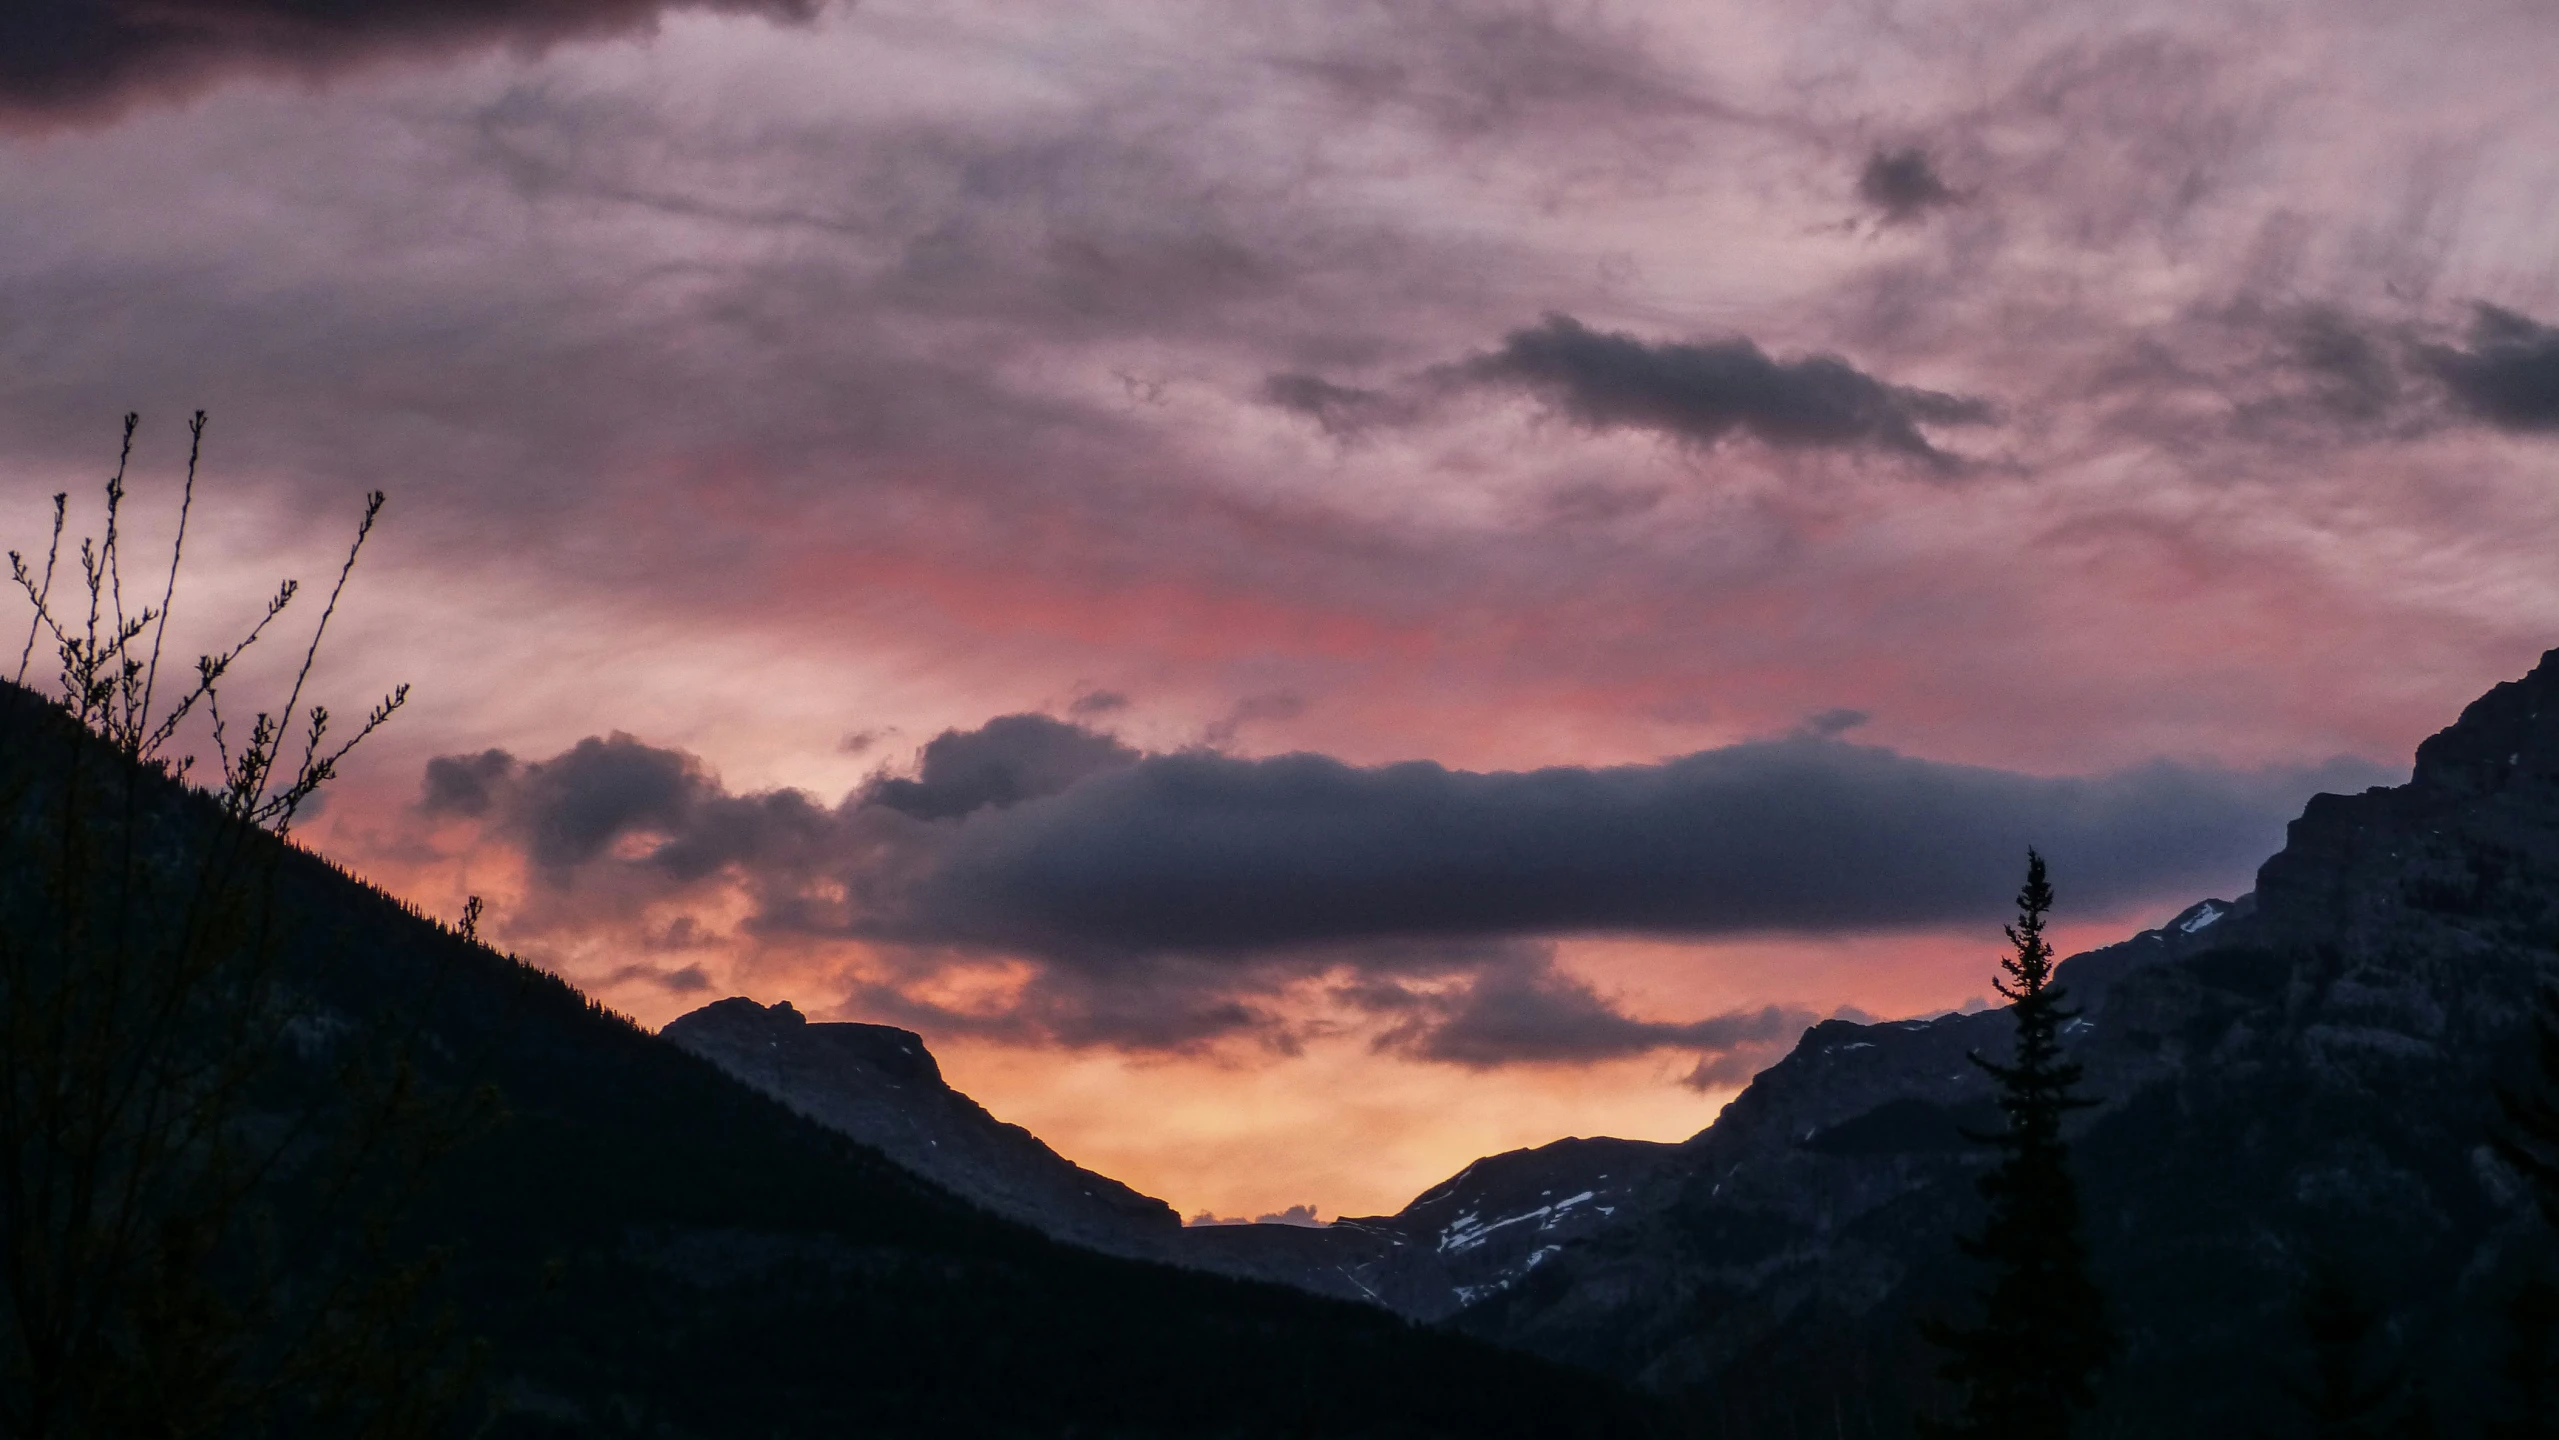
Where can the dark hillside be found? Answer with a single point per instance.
(644, 1246)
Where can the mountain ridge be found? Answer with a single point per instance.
(1427, 1261)
(2305, 1070)
(2310, 1071)
(645, 1245)
(880, 1085)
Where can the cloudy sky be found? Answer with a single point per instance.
(1311, 590)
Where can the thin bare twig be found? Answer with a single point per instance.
(18, 569)
(177, 552)
(364, 528)
(113, 689)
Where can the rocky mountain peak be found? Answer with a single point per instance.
(2505, 739)
(900, 1055)
(2462, 854)
(2310, 1068)
(881, 1085)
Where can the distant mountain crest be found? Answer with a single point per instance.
(881, 1086)
(1470, 1236)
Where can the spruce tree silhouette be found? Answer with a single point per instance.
(2029, 1364)
(2351, 1390)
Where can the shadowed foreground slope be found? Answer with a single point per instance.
(641, 1245)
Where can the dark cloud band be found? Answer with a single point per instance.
(2510, 374)
(1699, 392)
(1034, 836)
(1202, 852)
(1704, 391)
(1156, 895)
(66, 58)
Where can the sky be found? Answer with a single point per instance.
(1312, 590)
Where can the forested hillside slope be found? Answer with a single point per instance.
(623, 1239)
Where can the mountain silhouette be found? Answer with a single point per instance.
(2301, 1077)
(636, 1243)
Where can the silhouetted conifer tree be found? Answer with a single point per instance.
(2029, 1364)
(2349, 1390)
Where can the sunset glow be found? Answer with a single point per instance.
(1772, 465)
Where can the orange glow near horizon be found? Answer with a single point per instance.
(1239, 1130)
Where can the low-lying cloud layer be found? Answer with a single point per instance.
(1162, 898)
(1529, 1012)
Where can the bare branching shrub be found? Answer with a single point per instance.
(203, 1158)
(110, 682)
